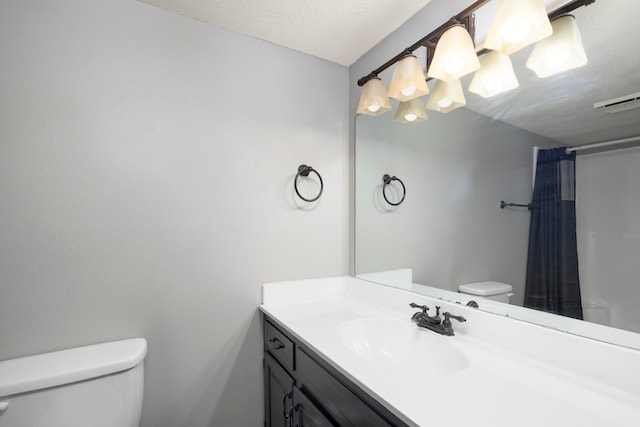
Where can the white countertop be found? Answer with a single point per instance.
(364, 331)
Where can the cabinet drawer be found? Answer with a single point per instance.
(342, 404)
(279, 346)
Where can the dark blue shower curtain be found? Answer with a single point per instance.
(552, 282)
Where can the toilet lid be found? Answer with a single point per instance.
(485, 288)
(32, 373)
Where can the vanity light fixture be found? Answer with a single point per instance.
(561, 51)
(518, 23)
(411, 111)
(407, 59)
(374, 99)
(408, 81)
(455, 55)
(446, 96)
(494, 76)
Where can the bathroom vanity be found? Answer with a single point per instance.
(300, 385)
(343, 351)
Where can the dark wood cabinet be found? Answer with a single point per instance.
(306, 413)
(303, 390)
(278, 393)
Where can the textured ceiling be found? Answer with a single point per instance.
(560, 107)
(340, 31)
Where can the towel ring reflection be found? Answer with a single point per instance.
(387, 180)
(304, 170)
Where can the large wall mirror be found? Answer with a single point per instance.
(457, 168)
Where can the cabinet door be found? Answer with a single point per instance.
(306, 414)
(278, 386)
(339, 402)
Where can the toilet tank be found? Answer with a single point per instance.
(496, 291)
(98, 386)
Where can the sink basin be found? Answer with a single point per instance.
(399, 344)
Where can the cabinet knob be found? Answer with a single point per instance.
(276, 344)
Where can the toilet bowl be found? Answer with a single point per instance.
(495, 291)
(99, 386)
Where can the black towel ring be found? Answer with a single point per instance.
(387, 180)
(304, 170)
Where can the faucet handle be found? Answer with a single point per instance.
(423, 307)
(448, 315)
(446, 323)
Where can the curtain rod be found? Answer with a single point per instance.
(604, 144)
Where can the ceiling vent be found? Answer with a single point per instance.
(616, 105)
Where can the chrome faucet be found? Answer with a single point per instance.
(435, 323)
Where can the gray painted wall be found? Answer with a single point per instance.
(146, 165)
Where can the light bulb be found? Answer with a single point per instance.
(455, 55)
(446, 97)
(515, 32)
(557, 58)
(373, 99)
(412, 111)
(494, 76)
(492, 84)
(445, 102)
(516, 24)
(562, 51)
(408, 91)
(453, 65)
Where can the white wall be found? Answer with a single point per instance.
(450, 230)
(608, 231)
(146, 162)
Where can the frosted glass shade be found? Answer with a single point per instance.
(411, 111)
(455, 55)
(518, 23)
(374, 99)
(408, 81)
(561, 51)
(494, 76)
(446, 96)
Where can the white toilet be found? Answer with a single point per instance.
(98, 386)
(495, 291)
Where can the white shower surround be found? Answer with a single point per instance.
(608, 231)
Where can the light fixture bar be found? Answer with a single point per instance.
(466, 18)
(430, 39)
